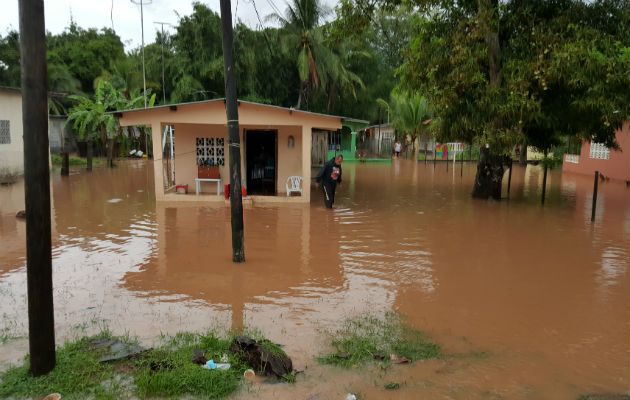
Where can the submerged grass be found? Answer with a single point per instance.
(75, 161)
(370, 339)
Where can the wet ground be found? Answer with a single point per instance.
(528, 302)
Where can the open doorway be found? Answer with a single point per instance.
(261, 154)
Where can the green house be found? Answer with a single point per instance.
(344, 141)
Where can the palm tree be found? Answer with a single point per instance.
(125, 76)
(61, 82)
(301, 20)
(410, 115)
(90, 117)
(339, 78)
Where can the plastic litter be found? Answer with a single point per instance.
(351, 396)
(212, 365)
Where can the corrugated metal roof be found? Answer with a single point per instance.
(241, 101)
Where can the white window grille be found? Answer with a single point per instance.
(5, 132)
(599, 151)
(210, 152)
(572, 158)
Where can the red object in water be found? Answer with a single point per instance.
(226, 191)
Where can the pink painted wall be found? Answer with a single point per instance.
(209, 118)
(289, 158)
(615, 168)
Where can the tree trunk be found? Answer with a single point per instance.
(415, 148)
(490, 167)
(90, 150)
(299, 103)
(426, 146)
(110, 153)
(488, 16)
(522, 157)
(65, 163)
(489, 176)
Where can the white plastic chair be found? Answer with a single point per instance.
(294, 184)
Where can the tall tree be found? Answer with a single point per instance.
(305, 42)
(198, 67)
(10, 59)
(503, 74)
(85, 52)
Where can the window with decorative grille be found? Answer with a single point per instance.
(599, 151)
(5, 132)
(210, 152)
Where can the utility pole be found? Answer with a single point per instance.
(144, 78)
(234, 143)
(163, 80)
(41, 322)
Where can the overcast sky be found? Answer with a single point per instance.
(126, 15)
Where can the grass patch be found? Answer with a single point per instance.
(75, 161)
(370, 339)
(167, 371)
(78, 374)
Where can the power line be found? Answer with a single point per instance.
(262, 27)
(274, 7)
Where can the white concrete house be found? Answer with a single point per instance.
(11, 142)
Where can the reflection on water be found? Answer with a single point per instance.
(542, 289)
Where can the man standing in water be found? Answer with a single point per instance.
(397, 148)
(329, 176)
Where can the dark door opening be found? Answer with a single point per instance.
(261, 155)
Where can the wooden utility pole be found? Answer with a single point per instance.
(41, 326)
(234, 143)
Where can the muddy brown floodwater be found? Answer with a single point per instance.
(536, 299)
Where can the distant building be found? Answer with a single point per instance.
(613, 164)
(11, 142)
(11, 132)
(378, 140)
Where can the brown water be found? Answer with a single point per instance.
(528, 302)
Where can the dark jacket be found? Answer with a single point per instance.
(330, 175)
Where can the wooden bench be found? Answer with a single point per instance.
(199, 180)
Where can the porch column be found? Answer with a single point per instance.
(158, 173)
(307, 136)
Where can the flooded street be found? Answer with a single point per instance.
(527, 302)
